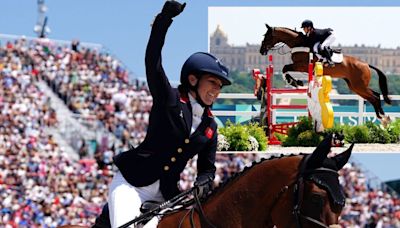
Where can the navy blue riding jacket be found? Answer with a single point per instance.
(168, 144)
(319, 35)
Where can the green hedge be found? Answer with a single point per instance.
(304, 135)
(239, 137)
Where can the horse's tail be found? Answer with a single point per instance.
(382, 84)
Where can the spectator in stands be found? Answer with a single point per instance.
(180, 122)
(75, 45)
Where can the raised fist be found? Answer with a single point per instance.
(172, 8)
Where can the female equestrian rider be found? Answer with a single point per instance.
(180, 126)
(319, 40)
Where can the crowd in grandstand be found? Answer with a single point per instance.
(365, 206)
(40, 186)
(95, 85)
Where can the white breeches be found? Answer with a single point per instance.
(124, 200)
(327, 43)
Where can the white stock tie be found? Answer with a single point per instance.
(197, 113)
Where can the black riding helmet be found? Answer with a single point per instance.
(307, 23)
(202, 62)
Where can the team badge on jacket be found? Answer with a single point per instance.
(209, 132)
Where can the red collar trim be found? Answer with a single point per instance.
(184, 98)
(209, 113)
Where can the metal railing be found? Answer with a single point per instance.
(361, 115)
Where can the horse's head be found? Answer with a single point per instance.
(317, 195)
(276, 35)
(294, 191)
(268, 41)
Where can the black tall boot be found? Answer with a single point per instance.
(327, 54)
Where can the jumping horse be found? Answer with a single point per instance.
(355, 72)
(289, 191)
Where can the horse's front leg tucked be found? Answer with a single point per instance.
(290, 80)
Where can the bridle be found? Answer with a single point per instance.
(279, 46)
(298, 191)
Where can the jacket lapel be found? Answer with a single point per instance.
(186, 112)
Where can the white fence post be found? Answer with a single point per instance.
(360, 110)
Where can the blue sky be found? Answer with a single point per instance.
(123, 26)
(385, 166)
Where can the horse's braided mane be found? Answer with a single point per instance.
(237, 175)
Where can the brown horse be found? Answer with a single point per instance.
(291, 191)
(355, 72)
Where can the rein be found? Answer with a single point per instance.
(279, 46)
(166, 205)
(199, 210)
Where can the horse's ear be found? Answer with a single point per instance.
(342, 158)
(268, 27)
(320, 153)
